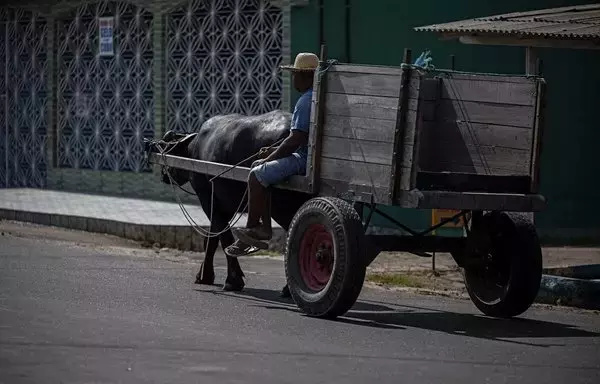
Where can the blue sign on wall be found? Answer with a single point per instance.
(106, 40)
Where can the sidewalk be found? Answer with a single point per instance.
(136, 219)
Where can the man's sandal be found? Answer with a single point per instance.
(243, 235)
(238, 249)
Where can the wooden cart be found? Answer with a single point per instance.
(401, 136)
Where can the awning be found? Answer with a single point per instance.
(576, 27)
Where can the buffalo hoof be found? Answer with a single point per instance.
(285, 292)
(205, 277)
(234, 284)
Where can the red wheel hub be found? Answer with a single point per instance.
(316, 256)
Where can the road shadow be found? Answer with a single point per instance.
(377, 314)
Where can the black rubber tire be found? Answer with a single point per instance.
(348, 274)
(520, 248)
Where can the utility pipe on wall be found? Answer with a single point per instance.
(347, 34)
(321, 23)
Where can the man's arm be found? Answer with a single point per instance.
(299, 132)
(289, 145)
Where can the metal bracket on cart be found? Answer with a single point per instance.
(416, 242)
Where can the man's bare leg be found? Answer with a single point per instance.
(266, 216)
(258, 207)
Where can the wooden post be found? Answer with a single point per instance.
(317, 114)
(399, 180)
(530, 61)
(433, 233)
(452, 62)
(537, 132)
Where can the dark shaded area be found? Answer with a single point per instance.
(469, 182)
(388, 316)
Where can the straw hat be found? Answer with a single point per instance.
(304, 62)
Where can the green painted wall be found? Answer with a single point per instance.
(380, 30)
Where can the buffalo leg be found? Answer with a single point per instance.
(206, 274)
(225, 209)
(235, 275)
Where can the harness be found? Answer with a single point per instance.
(163, 148)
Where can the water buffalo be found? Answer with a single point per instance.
(229, 139)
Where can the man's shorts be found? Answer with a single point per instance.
(277, 171)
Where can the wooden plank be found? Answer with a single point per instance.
(538, 134)
(316, 129)
(362, 128)
(200, 166)
(372, 107)
(484, 89)
(398, 174)
(476, 201)
(362, 68)
(352, 172)
(476, 112)
(487, 160)
(357, 150)
(366, 84)
(362, 193)
(465, 182)
(296, 183)
(412, 128)
(359, 128)
(470, 148)
(451, 132)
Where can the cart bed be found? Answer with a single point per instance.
(399, 136)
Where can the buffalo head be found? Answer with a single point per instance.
(176, 144)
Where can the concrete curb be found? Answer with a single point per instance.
(587, 271)
(181, 237)
(569, 291)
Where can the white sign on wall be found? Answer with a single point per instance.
(105, 33)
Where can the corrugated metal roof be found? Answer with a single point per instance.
(580, 22)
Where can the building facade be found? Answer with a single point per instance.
(74, 119)
(71, 119)
(376, 32)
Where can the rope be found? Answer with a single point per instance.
(321, 70)
(230, 225)
(186, 214)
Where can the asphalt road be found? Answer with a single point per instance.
(82, 313)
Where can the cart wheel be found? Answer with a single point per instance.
(324, 262)
(504, 273)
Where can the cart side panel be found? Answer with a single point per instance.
(477, 132)
(359, 125)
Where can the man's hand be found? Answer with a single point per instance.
(265, 151)
(258, 162)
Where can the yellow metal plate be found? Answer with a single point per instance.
(437, 215)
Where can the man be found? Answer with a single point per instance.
(277, 164)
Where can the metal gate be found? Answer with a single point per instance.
(3, 126)
(222, 57)
(105, 103)
(22, 111)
